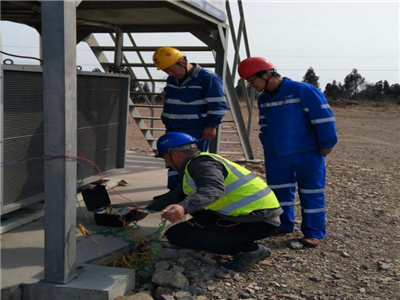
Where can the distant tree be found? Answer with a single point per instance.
(332, 90)
(395, 91)
(378, 89)
(368, 92)
(352, 84)
(386, 88)
(311, 78)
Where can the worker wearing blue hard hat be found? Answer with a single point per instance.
(231, 207)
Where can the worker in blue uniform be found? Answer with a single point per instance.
(297, 131)
(195, 101)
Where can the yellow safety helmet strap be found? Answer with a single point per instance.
(166, 57)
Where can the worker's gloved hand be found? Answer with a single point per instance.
(209, 133)
(325, 152)
(173, 213)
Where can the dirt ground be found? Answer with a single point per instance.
(360, 257)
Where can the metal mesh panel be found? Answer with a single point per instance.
(98, 117)
(23, 104)
(99, 112)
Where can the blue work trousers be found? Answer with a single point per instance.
(308, 171)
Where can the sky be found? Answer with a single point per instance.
(332, 37)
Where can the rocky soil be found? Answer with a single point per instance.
(359, 258)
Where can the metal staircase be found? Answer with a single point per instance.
(233, 134)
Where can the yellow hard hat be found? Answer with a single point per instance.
(165, 57)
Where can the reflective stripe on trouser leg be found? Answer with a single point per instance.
(281, 179)
(286, 200)
(310, 170)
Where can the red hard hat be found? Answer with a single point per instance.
(253, 65)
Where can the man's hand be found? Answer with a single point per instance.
(325, 151)
(209, 133)
(173, 213)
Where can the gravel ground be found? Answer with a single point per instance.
(359, 258)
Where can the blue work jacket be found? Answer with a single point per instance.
(197, 103)
(296, 119)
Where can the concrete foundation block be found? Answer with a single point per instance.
(95, 283)
(11, 293)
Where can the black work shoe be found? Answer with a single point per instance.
(245, 260)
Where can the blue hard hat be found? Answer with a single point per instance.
(173, 140)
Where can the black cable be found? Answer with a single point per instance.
(20, 56)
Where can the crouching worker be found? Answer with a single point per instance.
(231, 208)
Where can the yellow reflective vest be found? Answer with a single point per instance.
(244, 191)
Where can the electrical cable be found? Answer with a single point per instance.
(72, 157)
(139, 259)
(20, 56)
(19, 161)
(102, 179)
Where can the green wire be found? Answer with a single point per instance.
(145, 268)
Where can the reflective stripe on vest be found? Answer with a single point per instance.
(244, 191)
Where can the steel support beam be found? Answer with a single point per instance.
(234, 105)
(218, 46)
(139, 49)
(60, 130)
(220, 69)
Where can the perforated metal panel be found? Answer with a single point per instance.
(102, 116)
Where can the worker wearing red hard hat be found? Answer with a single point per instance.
(297, 131)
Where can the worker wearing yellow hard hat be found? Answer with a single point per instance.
(165, 57)
(195, 100)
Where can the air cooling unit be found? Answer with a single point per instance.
(102, 110)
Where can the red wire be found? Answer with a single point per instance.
(101, 177)
(75, 157)
(25, 161)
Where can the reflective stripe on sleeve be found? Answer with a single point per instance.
(179, 102)
(215, 99)
(279, 103)
(172, 173)
(324, 120)
(325, 106)
(183, 116)
(216, 112)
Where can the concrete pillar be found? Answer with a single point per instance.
(60, 129)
